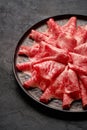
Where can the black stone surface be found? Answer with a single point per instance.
(17, 111)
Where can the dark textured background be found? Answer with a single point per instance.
(17, 112)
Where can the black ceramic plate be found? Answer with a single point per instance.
(55, 105)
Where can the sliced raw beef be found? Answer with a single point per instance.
(66, 42)
(71, 84)
(49, 69)
(44, 52)
(53, 27)
(37, 36)
(44, 73)
(62, 58)
(77, 69)
(25, 66)
(81, 49)
(70, 27)
(67, 100)
(72, 90)
(33, 81)
(64, 84)
(56, 89)
(24, 50)
(36, 81)
(79, 63)
(80, 35)
(83, 86)
(83, 89)
(59, 54)
(84, 80)
(29, 50)
(85, 27)
(49, 52)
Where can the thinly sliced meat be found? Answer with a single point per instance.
(58, 58)
(67, 100)
(43, 74)
(59, 54)
(37, 36)
(49, 52)
(79, 62)
(31, 82)
(52, 42)
(24, 50)
(70, 27)
(36, 81)
(45, 51)
(71, 89)
(85, 27)
(53, 27)
(71, 83)
(81, 49)
(55, 90)
(66, 42)
(83, 89)
(77, 69)
(80, 35)
(29, 51)
(66, 39)
(52, 49)
(64, 84)
(49, 69)
(84, 80)
(25, 66)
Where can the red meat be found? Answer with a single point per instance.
(84, 80)
(79, 63)
(55, 90)
(70, 27)
(61, 54)
(71, 89)
(49, 69)
(81, 49)
(67, 100)
(24, 50)
(83, 89)
(44, 73)
(66, 83)
(85, 27)
(66, 42)
(80, 35)
(38, 36)
(53, 28)
(47, 52)
(71, 83)
(77, 69)
(33, 81)
(29, 50)
(25, 66)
